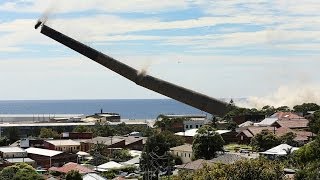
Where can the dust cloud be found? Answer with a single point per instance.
(285, 96)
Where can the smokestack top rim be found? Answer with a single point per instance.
(39, 23)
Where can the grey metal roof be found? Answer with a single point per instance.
(43, 152)
(11, 149)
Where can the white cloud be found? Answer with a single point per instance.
(110, 6)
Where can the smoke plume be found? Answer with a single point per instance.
(286, 96)
(48, 12)
(144, 68)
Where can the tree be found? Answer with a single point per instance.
(309, 171)
(12, 133)
(121, 155)
(264, 141)
(283, 109)
(305, 107)
(168, 124)
(82, 129)
(48, 133)
(155, 155)
(288, 138)
(314, 122)
(245, 169)
(73, 175)
(4, 141)
(103, 130)
(308, 153)
(99, 154)
(206, 143)
(20, 171)
(268, 110)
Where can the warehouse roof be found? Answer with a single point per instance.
(64, 142)
(43, 152)
(11, 149)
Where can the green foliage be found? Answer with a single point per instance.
(99, 154)
(264, 141)
(162, 142)
(308, 153)
(82, 129)
(206, 143)
(283, 109)
(305, 107)
(12, 133)
(157, 146)
(261, 169)
(73, 175)
(120, 129)
(268, 110)
(314, 122)
(232, 125)
(4, 141)
(20, 171)
(288, 138)
(177, 160)
(121, 155)
(48, 133)
(109, 174)
(103, 130)
(309, 172)
(167, 124)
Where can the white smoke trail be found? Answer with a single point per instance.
(48, 12)
(286, 96)
(144, 67)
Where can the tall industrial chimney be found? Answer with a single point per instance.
(192, 98)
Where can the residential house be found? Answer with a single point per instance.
(280, 150)
(109, 165)
(183, 151)
(286, 116)
(46, 158)
(227, 135)
(226, 158)
(124, 142)
(245, 135)
(297, 124)
(72, 166)
(65, 145)
(92, 176)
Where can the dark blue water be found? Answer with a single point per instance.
(127, 108)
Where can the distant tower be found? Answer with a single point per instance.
(101, 110)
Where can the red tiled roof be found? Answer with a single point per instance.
(72, 166)
(296, 123)
(286, 115)
(254, 130)
(300, 135)
(194, 165)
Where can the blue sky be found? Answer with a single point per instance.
(239, 48)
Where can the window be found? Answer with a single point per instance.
(190, 126)
(189, 155)
(177, 154)
(197, 126)
(186, 126)
(200, 125)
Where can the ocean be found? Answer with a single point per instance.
(127, 108)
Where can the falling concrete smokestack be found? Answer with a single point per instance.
(194, 99)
